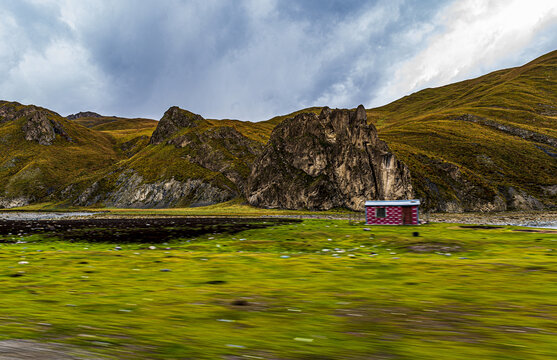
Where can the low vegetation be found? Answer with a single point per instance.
(315, 289)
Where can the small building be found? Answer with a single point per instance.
(392, 212)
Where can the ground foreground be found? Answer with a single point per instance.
(304, 289)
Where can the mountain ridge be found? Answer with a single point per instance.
(483, 144)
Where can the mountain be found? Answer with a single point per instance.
(188, 161)
(483, 144)
(488, 143)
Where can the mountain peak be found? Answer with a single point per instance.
(172, 121)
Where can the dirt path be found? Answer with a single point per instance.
(32, 350)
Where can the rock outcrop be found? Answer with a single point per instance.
(221, 149)
(83, 114)
(40, 128)
(326, 161)
(7, 203)
(40, 124)
(131, 191)
(173, 120)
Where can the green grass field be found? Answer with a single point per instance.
(319, 289)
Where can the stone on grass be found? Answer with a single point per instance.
(303, 339)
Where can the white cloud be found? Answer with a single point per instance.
(253, 59)
(474, 37)
(60, 76)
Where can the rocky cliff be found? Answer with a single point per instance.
(325, 161)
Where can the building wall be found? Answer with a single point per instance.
(394, 215)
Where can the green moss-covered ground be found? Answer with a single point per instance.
(320, 289)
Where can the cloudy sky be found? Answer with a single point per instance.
(253, 59)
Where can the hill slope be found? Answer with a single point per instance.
(189, 161)
(42, 153)
(483, 144)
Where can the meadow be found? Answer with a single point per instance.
(311, 289)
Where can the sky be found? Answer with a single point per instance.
(254, 59)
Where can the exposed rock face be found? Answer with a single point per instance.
(520, 200)
(457, 192)
(221, 149)
(7, 203)
(172, 121)
(40, 124)
(167, 193)
(82, 114)
(512, 130)
(326, 161)
(10, 111)
(43, 130)
(132, 192)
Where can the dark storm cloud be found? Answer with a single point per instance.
(252, 59)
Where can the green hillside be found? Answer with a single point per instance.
(79, 150)
(468, 143)
(31, 171)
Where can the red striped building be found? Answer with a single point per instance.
(392, 212)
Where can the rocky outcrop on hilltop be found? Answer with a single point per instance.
(223, 150)
(83, 114)
(326, 161)
(40, 124)
(173, 120)
(42, 129)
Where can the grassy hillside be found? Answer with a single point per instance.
(84, 149)
(496, 131)
(34, 171)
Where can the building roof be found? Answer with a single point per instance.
(392, 202)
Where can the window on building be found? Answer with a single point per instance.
(380, 213)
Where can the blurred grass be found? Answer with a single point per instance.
(487, 293)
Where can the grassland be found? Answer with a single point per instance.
(319, 289)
